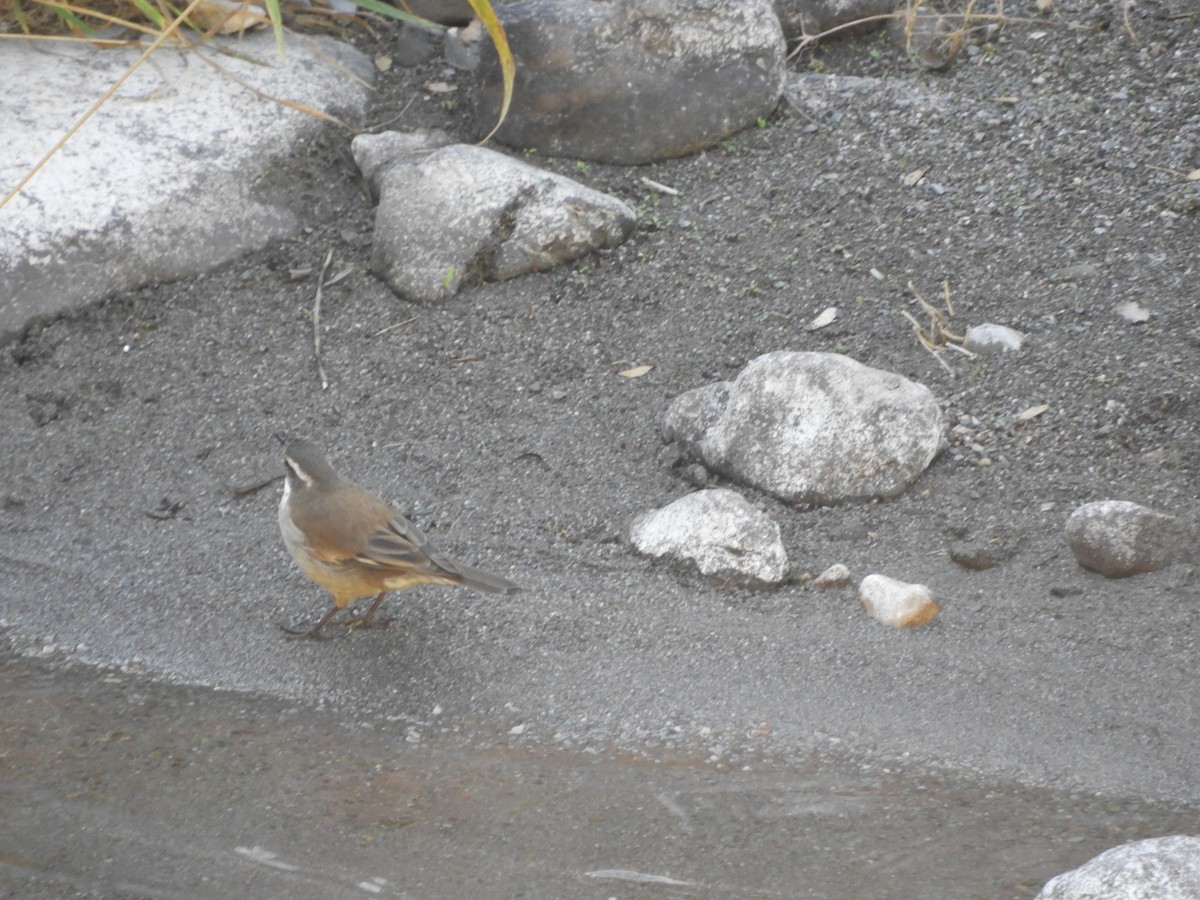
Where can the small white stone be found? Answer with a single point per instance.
(897, 603)
(835, 576)
(989, 338)
(1132, 312)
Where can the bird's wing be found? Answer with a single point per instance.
(400, 545)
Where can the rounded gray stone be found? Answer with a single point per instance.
(1118, 538)
(820, 428)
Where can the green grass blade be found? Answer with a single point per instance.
(393, 12)
(276, 18)
(150, 11)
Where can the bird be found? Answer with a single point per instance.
(354, 545)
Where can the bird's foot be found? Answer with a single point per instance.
(368, 622)
(302, 634)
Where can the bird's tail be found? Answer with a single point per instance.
(484, 582)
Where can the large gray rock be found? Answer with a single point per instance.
(717, 530)
(1162, 868)
(811, 427)
(1118, 538)
(455, 215)
(633, 81)
(169, 178)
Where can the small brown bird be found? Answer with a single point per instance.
(354, 545)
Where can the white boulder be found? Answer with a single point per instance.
(1162, 868)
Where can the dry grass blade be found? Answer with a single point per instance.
(925, 342)
(316, 321)
(937, 336)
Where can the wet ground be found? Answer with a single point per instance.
(116, 786)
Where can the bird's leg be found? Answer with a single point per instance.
(313, 633)
(368, 620)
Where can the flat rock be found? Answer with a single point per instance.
(811, 427)
(167, 178)
(632, 82)
(720, 532)
(455, 215)
(897, 603)
(1161, 868)
(1118, 538)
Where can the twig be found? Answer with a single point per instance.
(407, 321)
(1174, 172)
(661, 188)
(1129, 25)
(796, 108)
(378, 126)
(807, 39)
(316, 317)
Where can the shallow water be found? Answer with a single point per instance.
(113, 785)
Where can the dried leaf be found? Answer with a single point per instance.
(227, 17)
(1193, 175)
(635, 372)
(913, 178)
(1033, 412)
(825, 318)
(383, 62)
(439, 87)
